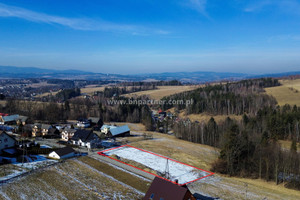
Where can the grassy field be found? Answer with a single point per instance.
(206, 117)
(91, 90)
(202, 156)
(69, 180)
(47, 94)
(163, 91)
(285, 144)
(2, 103)
(120, 175)
(287, 93)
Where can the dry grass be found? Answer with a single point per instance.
(69, 180)
(218, 185)
(132, 126)
(163, 91)
(286, 144)
(47, 94)
(2, 103)
(8, 169)
(206, 117)
(120, 175)
(287, 93)
(190, 153)
(91, 90)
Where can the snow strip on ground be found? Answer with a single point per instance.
(183, 173)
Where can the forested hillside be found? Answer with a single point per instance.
(230, 98)
(248, 147)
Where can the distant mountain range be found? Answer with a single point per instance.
(192, 77)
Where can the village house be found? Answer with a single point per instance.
(6, 141)
(85, 138)
(63, 153)
(53, 132)
(22, 120)
(115, 131)
(95, 121)
(105, 128)
(8, 120)
(83, 123)
(161, 189)
(40, 129)
(67, 134)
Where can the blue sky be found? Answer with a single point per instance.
(141, 36)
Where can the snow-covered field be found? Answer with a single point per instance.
(183, 173)
(34, 162)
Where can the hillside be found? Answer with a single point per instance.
(73, 179)
(287, 93)
(163, 91)
(198, 155)
(185, 77)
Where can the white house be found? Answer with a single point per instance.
(106, 128)
(66, 152)
(67, 134)
(6, 141)
(85, 138)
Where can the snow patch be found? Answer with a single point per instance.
(183, 173)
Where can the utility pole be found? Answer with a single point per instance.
(246, 185)
(167, 173)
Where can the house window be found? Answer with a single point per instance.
(0, 141)
(5, 140)
(151, 196)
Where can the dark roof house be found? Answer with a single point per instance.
(83, 135)
(85, 138)
(94, 120)
(65, 152)
(161, 189)
(22, 119)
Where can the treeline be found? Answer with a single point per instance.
(117, 91)
(76, 108)
(151, 83)
(36, 111)
(127, 113)
(249, 148)
(68, 94)
(225, 99)
(242, 155)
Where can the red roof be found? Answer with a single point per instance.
(163, 189)
(3, 114)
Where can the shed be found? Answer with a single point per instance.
(120, 131)
(11, 119)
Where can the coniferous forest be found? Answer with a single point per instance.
(249, 147)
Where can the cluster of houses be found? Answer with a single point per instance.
(93, 139)
(89, 133)
(161, 115)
